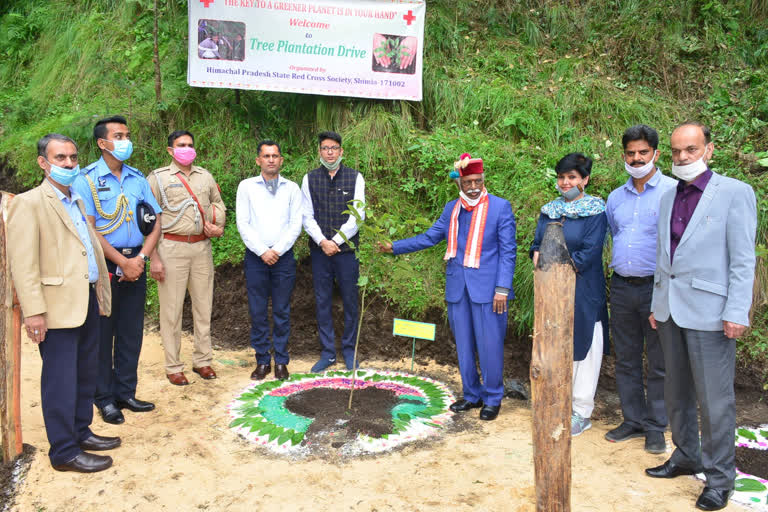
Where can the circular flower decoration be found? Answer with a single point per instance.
(389, 409)
(750, 489)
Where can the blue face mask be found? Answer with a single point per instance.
(62, 175)
(123, 149)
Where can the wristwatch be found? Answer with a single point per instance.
(144, 257)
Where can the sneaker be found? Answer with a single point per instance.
(655, 442)
(322, 364)
(624, 432)
(349, 360)
(579, 424)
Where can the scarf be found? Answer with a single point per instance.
(584, 207)
(474, 246)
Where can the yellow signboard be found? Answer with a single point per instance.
(412, 329)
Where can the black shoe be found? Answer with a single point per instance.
(111, 414)
(624, 432)
(669, 470)
(464, 405)
(86, 463)
(99, 443)
(655, 442)
(136, 405)
(713, 499)
(489, 412)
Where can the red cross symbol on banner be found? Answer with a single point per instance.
(206, 3)
(408, 17)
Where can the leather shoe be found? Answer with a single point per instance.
(261, 371)
(99, 443)
(136, 405)
(281, 371)
(111, 414)
(205, 372)
(86, 463)
(465, 405)
(669, 470)
(489, 412)
(713, 499)
(177, 379)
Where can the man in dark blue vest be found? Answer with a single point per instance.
(328, 191)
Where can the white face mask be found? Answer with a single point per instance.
(471, 202)
(641, 172)
(691, 171)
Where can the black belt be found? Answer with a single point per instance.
(126, 251)
(635, 280)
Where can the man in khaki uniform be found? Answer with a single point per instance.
(194, 213)
(61, 279)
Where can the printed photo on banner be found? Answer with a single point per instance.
(221, 40)
(394, 54)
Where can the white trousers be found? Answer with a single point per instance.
(585, 375)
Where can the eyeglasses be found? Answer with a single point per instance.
(330, 148)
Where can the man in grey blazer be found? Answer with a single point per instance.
(701, 300)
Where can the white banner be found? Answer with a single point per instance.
(362, 48)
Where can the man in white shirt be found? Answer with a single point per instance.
(328, 192)
(269, 214)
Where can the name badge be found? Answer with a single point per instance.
(175, 185)
(104, 189)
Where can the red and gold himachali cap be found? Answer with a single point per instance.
(468, 165)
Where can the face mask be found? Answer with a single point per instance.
(62, 175)
(123, 149)
(331, 166)
(470, 202)
(570, 194)
(185, 155)
(641, 172)
(690, 171)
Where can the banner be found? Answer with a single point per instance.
(362, 48)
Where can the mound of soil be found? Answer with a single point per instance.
(752, 462)
(371, 412)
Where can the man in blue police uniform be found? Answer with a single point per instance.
(112, 192)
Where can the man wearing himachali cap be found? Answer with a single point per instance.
(480, 231)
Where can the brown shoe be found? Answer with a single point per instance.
(177, 379)
(261, 371)
(205, 372)
(281, 371)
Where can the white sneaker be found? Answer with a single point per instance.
(579, 424)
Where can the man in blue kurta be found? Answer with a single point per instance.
(479, 229)
(111, 191)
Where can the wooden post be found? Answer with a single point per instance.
(554, 285)
(10, 350)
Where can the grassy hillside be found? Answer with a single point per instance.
(519, 83)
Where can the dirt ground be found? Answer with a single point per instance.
(182, 456)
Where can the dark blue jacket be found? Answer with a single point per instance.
(497, 260)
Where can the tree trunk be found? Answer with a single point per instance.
(156, 60)
(551, 372)
(10, 355)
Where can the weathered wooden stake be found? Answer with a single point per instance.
(551, 371)
(10, 350)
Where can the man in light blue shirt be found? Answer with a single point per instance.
(269, 214)
(111, 191)
(633, 212)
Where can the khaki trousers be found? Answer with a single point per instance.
(187, 267)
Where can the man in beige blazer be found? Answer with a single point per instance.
(58, 270)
